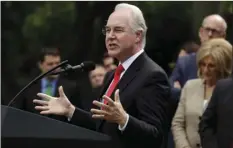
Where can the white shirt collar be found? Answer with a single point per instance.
(130, 60)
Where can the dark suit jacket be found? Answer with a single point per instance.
(216, 126)
(25, 102)
(145, 95)
(185, 69)
(87, 96)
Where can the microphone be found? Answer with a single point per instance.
(84, 66)
(62, 64)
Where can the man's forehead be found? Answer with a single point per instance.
(98, 70)
(118, 18)
(51, 57)
(213, 23)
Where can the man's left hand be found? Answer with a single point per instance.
(112, 111)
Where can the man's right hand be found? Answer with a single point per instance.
(54, 105)
(177, 85)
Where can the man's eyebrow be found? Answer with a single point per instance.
(116, 26)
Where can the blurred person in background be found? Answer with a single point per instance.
(188, 48)
(109, 62)
(96, 76)
(48, 59)
(87, 95)
(216, 125)
(213, 26)
(214, 63)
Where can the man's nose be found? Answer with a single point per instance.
(210, 34)
(111, 35)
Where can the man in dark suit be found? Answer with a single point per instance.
(213, 26)
(137, 111)
(49, 58)
(109, 62)
(216, 126)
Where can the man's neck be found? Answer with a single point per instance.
(50, 79)
(125, 57)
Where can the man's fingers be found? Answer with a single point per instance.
(98, 116)
(46, 112)
(41, 102)
(42, 108)
(109, 100)
(101, 105)
(116, 96)
(61, 92)
(99, 112)
(44, 96)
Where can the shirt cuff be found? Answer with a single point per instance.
(123, 128)
(69, 118)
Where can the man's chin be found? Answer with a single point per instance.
(52, 76)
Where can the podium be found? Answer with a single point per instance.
(21, 129)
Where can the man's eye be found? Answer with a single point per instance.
(107, 30)
(119, 30)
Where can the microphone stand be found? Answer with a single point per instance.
(62, 64)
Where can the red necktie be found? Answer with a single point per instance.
(115, 81)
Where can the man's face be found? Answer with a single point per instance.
(211, 28)
(50, 62)
(109, 64)
(97, 77)
(120, 39)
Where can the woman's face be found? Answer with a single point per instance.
(208, 69)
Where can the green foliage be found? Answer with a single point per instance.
(75, 27)
(48, 23)
(227, 7)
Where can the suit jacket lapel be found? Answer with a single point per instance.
(200, 97)
(107, 82)
(131, 73)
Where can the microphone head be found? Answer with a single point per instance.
(88, 65)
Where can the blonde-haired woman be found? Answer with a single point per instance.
(214, 60)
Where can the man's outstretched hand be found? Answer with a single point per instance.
(54, 105)
(113, 111)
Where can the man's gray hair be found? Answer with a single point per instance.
(217, 17)
(137, 22)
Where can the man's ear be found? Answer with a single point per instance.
(138, 36)
(224, 35)
(200, 32)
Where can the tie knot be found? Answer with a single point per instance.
(119, 70)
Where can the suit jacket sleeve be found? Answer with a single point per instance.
(176, 74)
(208, 122)
(178, 123)
(83, 118)
(151, 103)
